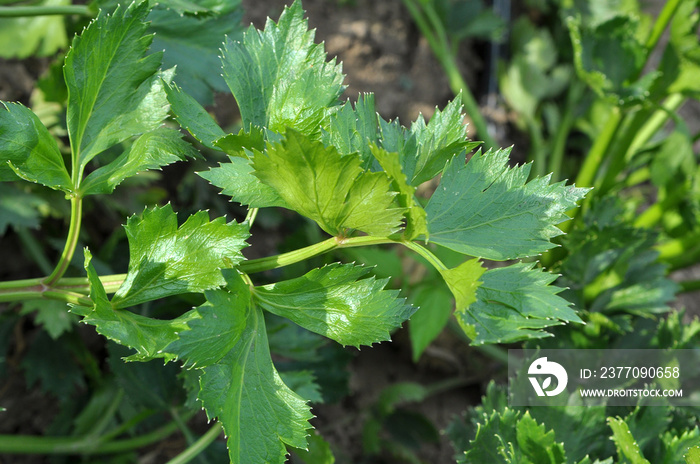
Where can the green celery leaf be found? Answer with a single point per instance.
(193, 117)
(536, 444)
(609, 57)
(192, 43)
(425, 148)
(321, 184)
(331, 301)
(582, 429)
(19, 208)
(627, 447)
(612, 267)
(463, 282)
(303, 383)
(213, 333)
(151, 150)
(259, 413)
(150, 385)
(416, 222)
(114, 91)
(167, 260)
(28, 150)
(434, 307)
(33, 35)
(52, 315)
(351, 130)
(236, 144)
(236, 179)
(146, 335)
(507, 437)
(319, 451)
(52, 365)
(279, 77)
(693, 455)
(486, 209)
(513, 304)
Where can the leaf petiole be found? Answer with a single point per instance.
(52, 10)
(76, 212)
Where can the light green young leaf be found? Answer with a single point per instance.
(193, 117)
(151, 150)
(463, 282)
(279, 77)
(192, 42)
(513, 304)
(693, 455)
(627, 448)
(146, 335)
(425, 148)
(28, 150)
(166, 260)
(352, 130)
(259, 413)
(114, 92)
(416, 222)
(486, 209)
(331, 301)
(327, 187)
(33, 35)
(237, 180)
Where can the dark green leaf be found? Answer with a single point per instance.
(514, 303)
(331, 301)
(167, 260)
(434, 310)
(28, 150)
(279, 77)
(193, 117)
(146, 335)
(259, 413)
(191, 43)
(486, 209)
(19, 208)
(52, 315)
(114, 92)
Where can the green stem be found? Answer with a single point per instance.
(559, 145)
(27, 444)
(537, 153)
(669, 9)
(76, 212)
(434, 32)
(595, 156)
(657, 120)
(285, 259)
(197, 447)
(681, 252)
(652, 215)
(689, 286)
(427, 254)
(250, 217)
(24, 11)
